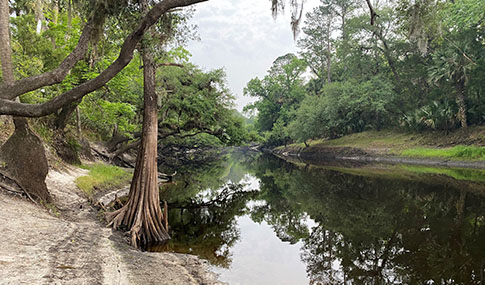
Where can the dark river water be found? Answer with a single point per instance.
(260, 220)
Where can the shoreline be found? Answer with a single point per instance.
(335, 154)
(73, 245)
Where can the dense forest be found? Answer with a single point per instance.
(409, 65)
(192, 102)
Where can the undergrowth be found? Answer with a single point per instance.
(102, 177)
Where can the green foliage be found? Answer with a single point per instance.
(419, 66)
(196, 106)
(457, 152)
(279, 93)
(435, 116)
(104, 115)
(197, 103)
(343, 108)
(102, 177)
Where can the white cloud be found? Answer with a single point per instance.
(242, 37)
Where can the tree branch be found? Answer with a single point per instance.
(126, 54)
(167, 64)
(19, 87)
(170, 64)
(373, 14)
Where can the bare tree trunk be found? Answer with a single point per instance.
(329, 54)
(78, 121)
(39, 16)
(460, 101)
(23, 153)
(5, 50)
(5, 58)
(343, 25)
(69, 14)
(55, 14)
(142, 213)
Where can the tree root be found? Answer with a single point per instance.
(143, 230)
(10, 189)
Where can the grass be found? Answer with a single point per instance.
(385, 139)
(374, 139)
(102, 177)
(462, 144)
(457, 152)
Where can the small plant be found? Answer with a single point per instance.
(102, 177)
(52, 209)
(43, 130)
(435, 116)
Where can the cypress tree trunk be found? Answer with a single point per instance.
(329, 53)
(142, 214)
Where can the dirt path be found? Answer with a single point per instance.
(37, 247)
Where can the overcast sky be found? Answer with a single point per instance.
(242, 37)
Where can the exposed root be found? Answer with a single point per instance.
(144, 229)
(10, 189)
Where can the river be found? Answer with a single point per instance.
(258, 219)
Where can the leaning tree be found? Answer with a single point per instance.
(142, 214)
(23, 141)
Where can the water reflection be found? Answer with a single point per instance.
(370, 226)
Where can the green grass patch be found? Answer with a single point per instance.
(102, 177)
(457, 152)
(374, 139)
(391, 141)
(477, 175)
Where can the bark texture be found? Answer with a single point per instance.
(23, 154)
(23, 157)
(5, 50)
(142, 213)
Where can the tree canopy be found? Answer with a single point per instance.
(415, 66)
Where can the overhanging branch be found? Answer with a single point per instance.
(8, 107)
(19, 87)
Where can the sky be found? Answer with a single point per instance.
(242, 37)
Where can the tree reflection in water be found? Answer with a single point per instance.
(382, 229)
(371, 227)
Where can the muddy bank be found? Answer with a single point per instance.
(348, 156)
(72, 245)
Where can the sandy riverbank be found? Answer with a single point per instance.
(74, 246)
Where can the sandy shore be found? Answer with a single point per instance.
(75, 247)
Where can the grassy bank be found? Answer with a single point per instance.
(460, 152)
(468, 144)
(102, 177)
